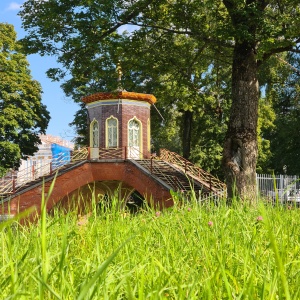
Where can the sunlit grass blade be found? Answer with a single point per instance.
(278, 260)
(87, 286)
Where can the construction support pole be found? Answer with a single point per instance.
(151, 164)
(13, 182)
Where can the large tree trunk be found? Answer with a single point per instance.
(187, 133)
(240, 148)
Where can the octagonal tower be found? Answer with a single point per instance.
(119, 124)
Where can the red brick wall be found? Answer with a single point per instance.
(101, 113)
(67, 183)
(123, 112)
(142, 114)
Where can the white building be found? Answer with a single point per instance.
(52, 153)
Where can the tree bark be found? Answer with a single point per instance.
(187, 133)
(240, 148)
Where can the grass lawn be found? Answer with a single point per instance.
(186, 252)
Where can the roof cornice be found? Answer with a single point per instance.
(119, 95)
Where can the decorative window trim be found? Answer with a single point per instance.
(140, 133)
(149, 134)
(106, 131)
(94, 144)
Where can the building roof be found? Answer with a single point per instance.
(50, 139)
(119, 95)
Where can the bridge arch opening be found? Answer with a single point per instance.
(101, 194)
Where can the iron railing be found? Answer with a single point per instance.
(47, 167)
(112, 153)
(17, 179)
(155, 168)
(80, 154)
(125, 152)
(205, 178)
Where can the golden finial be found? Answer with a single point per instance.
(119, 70)
(120, 73)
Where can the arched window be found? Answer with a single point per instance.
(94, 134)
(134, 133)
(134, 139)
(112, 133)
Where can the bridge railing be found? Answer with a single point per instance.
(6, 186)
(80, 154)
(20, 178)
(17, 179)
(125, 152)
(155, 168)
(40, 168)
(112, 153)
(206, 178)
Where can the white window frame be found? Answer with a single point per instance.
(140, 141)
(107, 133)
(94, 134)
(149, 134)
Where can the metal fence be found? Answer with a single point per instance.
(284, 188)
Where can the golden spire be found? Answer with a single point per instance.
(120, 73)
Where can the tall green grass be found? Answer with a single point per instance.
(190, 251)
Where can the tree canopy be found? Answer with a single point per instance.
(22, 115)
(284, 94)
(182, 48)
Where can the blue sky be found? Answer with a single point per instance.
(61, 109)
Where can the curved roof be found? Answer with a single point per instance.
(119, 95)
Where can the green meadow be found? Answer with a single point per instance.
(190, 251)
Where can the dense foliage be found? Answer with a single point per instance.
(284, 94)
(22, 115)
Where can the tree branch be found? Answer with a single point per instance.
(126, 18)
(277, 50)
(228, 44)
(288, 64)
(170, 30)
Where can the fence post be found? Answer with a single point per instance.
(281, 187)
(32, 171)
(13, 181)
(125, 152)
(151, 164)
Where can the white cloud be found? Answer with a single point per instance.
(14, 6)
